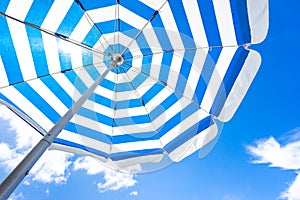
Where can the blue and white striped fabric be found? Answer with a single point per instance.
(186, 64)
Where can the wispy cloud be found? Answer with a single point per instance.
(283, 153)
(133, 193)
(53, 166)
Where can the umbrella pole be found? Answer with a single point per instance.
(23, 168)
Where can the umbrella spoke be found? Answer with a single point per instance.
(140, 32)
(57, 35)
(117, 27)
(185, 49)
(91, 22)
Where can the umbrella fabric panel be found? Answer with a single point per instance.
(185, 63)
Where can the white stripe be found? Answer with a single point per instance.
(56, 14)
(183, 126)
(48, 96)
(91, 124)
(27, 107)
(74, 51)
(131, 146)
(132, 129)
(134, 164)
(158, 99)
(170, 112)
(195, 73)
(19, 9)
(102, 14)
(92, 105)
(83, 140)
(3, 77)
(194, 18)
(68, 87)
(258, 14)
(131, 18)
(81, 30)
(216, 80)
(225, 22)
(175, 69)
(193, 144)
(171, 27)
(51, 51)
(241, 86)
(22, 48)
(131, 112)
(156, 65)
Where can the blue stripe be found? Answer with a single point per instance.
(194, 130)
(56, 88)
(207, 70)
(166, 104)
(135, 154)
(233, 71)
(185, 71)
(78, 146)
(177, 119)
(32, 96)
(93, 4)
(4, 5)
(165, 67)
(133, 120)
(95, 116)
(70, 21)
(209, 22)
(92, 37)
(38, 12)
(77, 82)
(138, 8)
(152, 92)
(87, 132)
(38, 52)
(241, 21)
(182, 23)
(137, 137)
(8, 54)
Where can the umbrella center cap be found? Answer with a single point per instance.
(117, 59)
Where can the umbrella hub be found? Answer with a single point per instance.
(117, 59)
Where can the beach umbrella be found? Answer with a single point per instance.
(125, 81)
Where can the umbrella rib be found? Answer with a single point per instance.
(139, 33)
(57, 35)
(46, 75)
(148, 114)
(91, 22)
(117, 26)
(166, 85)
(186, 49)
(114, 112)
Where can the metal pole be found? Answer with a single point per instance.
(18, 174)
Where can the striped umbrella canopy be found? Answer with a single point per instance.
(144, 80)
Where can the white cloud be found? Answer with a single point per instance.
(284, 154)
(293, 192)
(113, 180)
(53, 166)
(133, 193)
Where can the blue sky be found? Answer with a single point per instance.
(265, 129)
